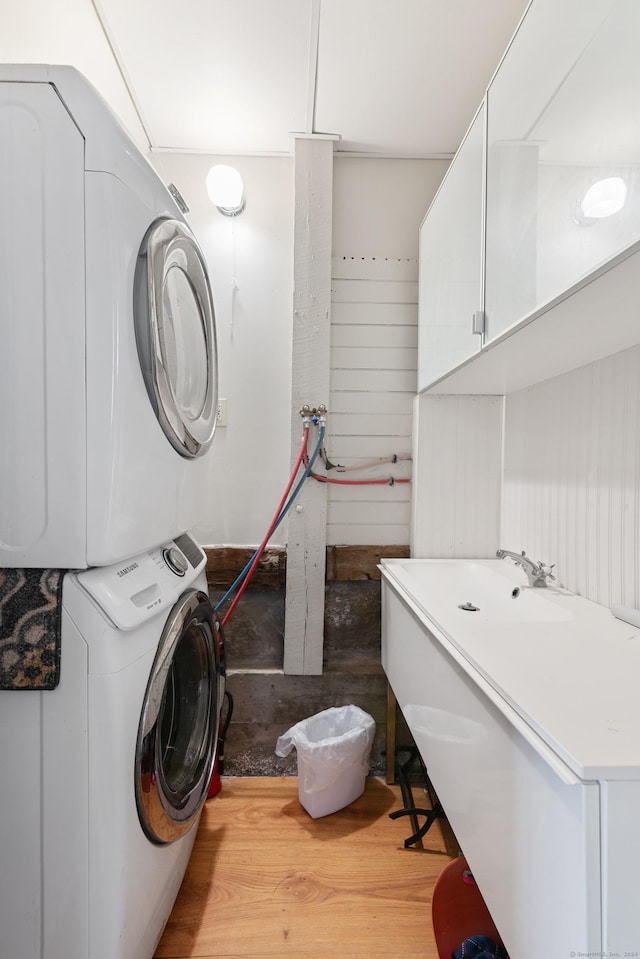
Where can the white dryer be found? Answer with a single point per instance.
(108, 365)
(104, 777)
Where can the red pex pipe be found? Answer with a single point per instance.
(302, 455)
(345, 482)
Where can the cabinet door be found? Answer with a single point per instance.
(562, 121)
(450, 263)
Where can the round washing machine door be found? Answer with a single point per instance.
(179, 725)
(176, 335)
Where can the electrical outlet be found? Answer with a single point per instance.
(221, 413)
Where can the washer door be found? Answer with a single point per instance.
(176, 335)
(178, 731)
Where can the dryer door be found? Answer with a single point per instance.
(178, 731)
(176, 335)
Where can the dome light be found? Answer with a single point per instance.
(226, 190)
(604, 198)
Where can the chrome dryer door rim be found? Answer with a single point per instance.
(176, 335)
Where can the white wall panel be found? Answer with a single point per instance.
(372, 402)
(393, 268)
(359, 513)
(347, 336)
(361, 358)
(368, 535)
(376, 289)
(371, 424)
(349, 449)
(457, 476)
(391, 381)
(352, 495)
(370, 314)
(378, 205)
(572, 477)
(373, 380)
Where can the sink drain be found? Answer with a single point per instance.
(469, 607)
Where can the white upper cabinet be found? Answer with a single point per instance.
(450, 262)
(558, 259)
(563, 153)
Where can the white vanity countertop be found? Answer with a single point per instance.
(573, 674)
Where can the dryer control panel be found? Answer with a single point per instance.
(138, 588)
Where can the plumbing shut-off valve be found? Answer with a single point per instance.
(314, 413)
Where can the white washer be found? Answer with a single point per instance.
(108, 370)
(104, 777)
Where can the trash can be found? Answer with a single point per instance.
(333, 751)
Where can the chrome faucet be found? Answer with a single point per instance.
(537, 573)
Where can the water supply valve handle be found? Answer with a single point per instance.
(317, 414)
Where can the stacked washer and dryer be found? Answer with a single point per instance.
(108, 398)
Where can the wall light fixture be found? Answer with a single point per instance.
(604, 198)
(225, 189)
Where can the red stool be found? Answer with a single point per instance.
(458, 911)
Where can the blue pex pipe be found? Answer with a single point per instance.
(229, 593)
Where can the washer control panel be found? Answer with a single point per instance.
(137, 588)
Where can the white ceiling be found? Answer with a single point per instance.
(389, 77)
(399, 77)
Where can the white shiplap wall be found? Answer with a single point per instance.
(457, 476)
(571, 492)
(374, 315)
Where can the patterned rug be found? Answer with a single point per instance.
(30, 628)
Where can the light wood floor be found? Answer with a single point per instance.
(266, 880)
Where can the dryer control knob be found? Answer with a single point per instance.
(175, 561)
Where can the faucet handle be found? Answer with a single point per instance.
(546, 570)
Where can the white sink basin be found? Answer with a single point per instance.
(463, 595)
(563, 662)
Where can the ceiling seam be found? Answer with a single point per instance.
(312, 78)
(212, 152)
(358, 154)
(126, 79)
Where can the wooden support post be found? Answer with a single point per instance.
(306, 549)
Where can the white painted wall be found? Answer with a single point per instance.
(572, 477)
(377, 209)
(457, 476)
(378, 204)
(68, 32)
(567, 490)
(250, 259)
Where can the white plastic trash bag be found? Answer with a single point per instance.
(334, 749)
